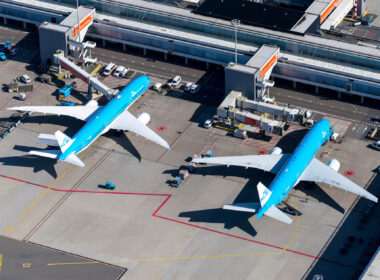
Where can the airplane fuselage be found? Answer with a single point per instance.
(291, 173)
(102, 119)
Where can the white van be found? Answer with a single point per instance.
(107, 71)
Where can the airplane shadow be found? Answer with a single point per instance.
(315, 191)
(37, 163)
(122, 139)
(229, 218)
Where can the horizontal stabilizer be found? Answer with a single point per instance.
(74, 159)
(47, 139)
(46, 153)
(251, 207)
(277, 214)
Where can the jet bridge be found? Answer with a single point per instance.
(86, 77)
(252, 79)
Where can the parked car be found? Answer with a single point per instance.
(26, 79)
(107, 71)
(195, 88)
(124, 72)
(375, 145)
(188, 86)
(118, 71)
(173, 83)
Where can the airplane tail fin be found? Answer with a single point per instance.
(63, 140)
(264, 193)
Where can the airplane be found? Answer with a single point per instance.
(290, 169)
(100, 119)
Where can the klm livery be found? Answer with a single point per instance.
(99, 120)
(290, 169)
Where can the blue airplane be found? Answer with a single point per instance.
(99, 120)
(289, 170)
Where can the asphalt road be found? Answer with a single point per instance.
(20, 260)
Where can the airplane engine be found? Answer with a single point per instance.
(92, 103)
(144, 118)
(334, 164)
(275, 151)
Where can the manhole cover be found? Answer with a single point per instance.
(162, 128)
(349, 172)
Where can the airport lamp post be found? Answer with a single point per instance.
(78, 20)
(235, 23)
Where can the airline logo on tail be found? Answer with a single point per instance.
(264, 193)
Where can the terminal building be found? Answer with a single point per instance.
(308, 54)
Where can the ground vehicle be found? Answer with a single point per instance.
(207, 123)
(118, 71)
(124, 72)
(157, 86)
(375, 145)
(173, 83)
(2, 56)
(373, 134)
(195, 88)
(25, 78)
(108, 186)
(376, 120)
(107, 71)
(64, 91)
(45, 78)
(66, 103)
(13, 51)
(188, 86)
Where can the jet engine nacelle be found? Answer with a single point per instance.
(92, 103)
(334, 164)
(144, 118)
(275, 151)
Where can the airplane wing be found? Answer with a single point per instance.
(79, 112)
(126, 121)
(271, 163)
(317, 171)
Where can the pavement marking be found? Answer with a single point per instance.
(168, 196)
(44, 193)
(1, 262)
(47, 190)
(194, 257)
(9, 229)
(26, 265)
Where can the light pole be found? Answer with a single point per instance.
(78, 20)
(235, 23)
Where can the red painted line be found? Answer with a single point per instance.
(168, 196)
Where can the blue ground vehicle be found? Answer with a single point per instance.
(64, 92)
